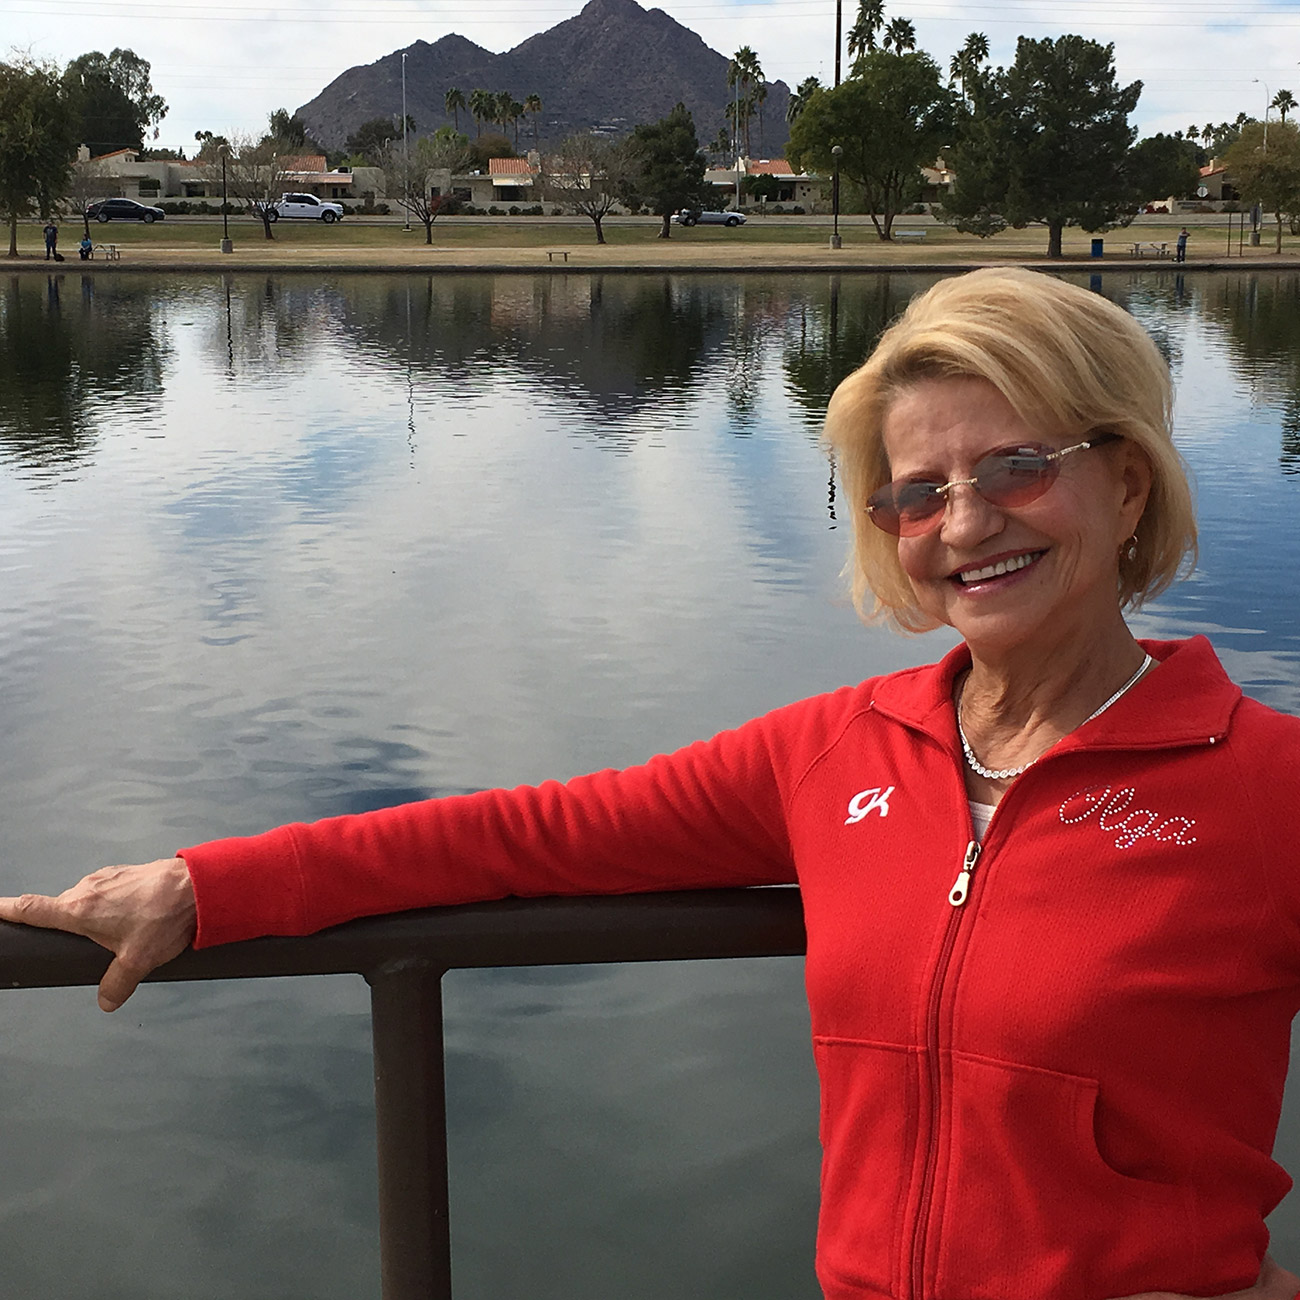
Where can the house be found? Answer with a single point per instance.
(786, 186)
(122, 174)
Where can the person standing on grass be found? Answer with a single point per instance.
(51, 233)
(1181, 254)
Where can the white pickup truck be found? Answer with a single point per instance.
(305, 205)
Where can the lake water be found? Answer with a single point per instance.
(276, 548)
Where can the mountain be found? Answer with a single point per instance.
(613, 65)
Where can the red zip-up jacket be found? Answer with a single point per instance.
(1051, 1065)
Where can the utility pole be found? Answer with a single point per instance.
(839, 17)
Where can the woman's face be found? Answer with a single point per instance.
(1062, 549)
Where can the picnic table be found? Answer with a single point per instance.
(1157, 248)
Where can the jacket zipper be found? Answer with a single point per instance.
(957, 896)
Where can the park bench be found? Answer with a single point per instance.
(909, 234)
(1156, 249)
(553, 253)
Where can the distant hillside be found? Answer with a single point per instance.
(612, 66)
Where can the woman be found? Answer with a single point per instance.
(1053, 906)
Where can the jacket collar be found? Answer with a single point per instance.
(1186, 698)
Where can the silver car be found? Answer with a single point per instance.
(698, 217)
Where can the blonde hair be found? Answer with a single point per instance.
(1068, 361)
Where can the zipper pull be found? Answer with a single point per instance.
(957, 895)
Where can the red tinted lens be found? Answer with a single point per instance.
(905, 509)
(1015, 476)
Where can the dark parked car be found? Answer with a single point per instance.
(123, 210)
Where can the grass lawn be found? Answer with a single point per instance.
(760, 240)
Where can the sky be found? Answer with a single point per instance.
(224, 67)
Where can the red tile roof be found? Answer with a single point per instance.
(511, 167)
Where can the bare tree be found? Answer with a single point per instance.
(419, 181)
(587, 174)
(256, 173)
(88, 182)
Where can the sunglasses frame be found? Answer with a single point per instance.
(897, 527)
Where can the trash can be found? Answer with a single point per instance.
(1097, 247)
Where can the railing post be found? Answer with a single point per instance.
(411, 1124)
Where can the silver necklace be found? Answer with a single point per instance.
(1005, 773)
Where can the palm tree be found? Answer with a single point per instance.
(516, 111)
(742, 73)
(1284, 101)
(900, 36)
(964, 66)
(453, 101)
(501, 116)
(533, 105)
(1193, 133)
(482, 104)
(807, 88)
(870, 19)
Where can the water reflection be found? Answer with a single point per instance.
(70, 347)
(314, 545)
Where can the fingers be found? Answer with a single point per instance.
(119, 982)
(35, 909)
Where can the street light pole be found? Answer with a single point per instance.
(836, 241)
(1268, 103)
(839, 17)
(406, 158)
(226, 245)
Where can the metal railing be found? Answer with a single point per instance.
(403, 958)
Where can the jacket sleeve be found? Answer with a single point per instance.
(710, 815)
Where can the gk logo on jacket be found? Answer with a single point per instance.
(866, 801)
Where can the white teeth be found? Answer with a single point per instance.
(998, 569)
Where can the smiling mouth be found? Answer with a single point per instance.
(1011, 565)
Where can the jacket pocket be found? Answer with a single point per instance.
(1030, 1208)
(868, 1136)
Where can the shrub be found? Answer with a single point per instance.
(514, 212)
(495, 211)
(775, 209)
(176, 208)
(535, 211)
(797, 211)
(557, 212)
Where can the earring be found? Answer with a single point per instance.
(1130, 549)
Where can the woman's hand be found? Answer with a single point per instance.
(144, 915)
(1273, 1283)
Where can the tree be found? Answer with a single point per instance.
(38, 141)
(588, 174)
(453, 101)
(113, 98)
(866, 27)
(744, 72)
(807, 88)
(290, 128)
(533, 106)
(891, 118)
(1161, 167)
(210, 146)
(967, 64)
(1046, 140)
(408, 173)
(256, 173)
(371, 139)
(1269, 177)
(667, 167)
(900, 36)
(1284, 101)
(482, 106)
(483, 148)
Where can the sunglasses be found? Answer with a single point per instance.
(1009, 476)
